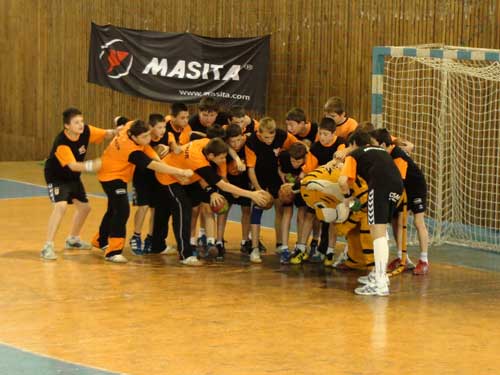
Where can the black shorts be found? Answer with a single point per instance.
(382, 205)
(67, 191)
(417, 203)
(240, 201)
(298, 202)
(197, 195)
(243, 183)
(143, 188)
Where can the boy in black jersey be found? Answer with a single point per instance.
(385, 188)
(62, 174)
(302, 129)
(177, 125)
(238, 116)
(416, 191)
(144, 183)
(261, 152)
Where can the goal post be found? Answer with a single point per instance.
(446, 101)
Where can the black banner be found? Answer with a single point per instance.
(180, 67)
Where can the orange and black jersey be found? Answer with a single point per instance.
(311, 133)
(250, 128)
(263, 157)
(375, 165)
(324, 154)
(286, 164)
(195, 124)
(66, 151)
(234, 176)
(176, 134)
(346, 128)
(121, 157)
(413, 177)
(193, 157)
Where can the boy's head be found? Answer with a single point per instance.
(359, 139)
(180, 114)
(326, 132)
(73, 120)
(238, 116)
(140, 132)
(297, 153)
(216, 151)
(158, 125)
(216, 131)
(208, 110)
(366, 126)
(120, 121)
(234, 137)
(296, 121)
(382, 137)
(267, 130)
(334, 108)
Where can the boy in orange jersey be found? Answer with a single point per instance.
(335, 109)
(129, 150)
(303, 130)
(238, 116)
(62, 174)
(207, 158)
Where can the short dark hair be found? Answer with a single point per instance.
(237, 111)
(155, 118)
(296, 114)
(216, 146)
(382, 136)
(177, 108)
(138, 127)
(298, 150)
(366, 126)
(209, 104)
(327, 123)
(233, 130)
(360, 137)
(334, 105)
(69, 113)
(121, 120)
(216, 131)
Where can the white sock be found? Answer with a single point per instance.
(210, 240)
(192, 241)
(301, 247)
(74, 239)
(381, 255)
(219, 242)
(243, 242)
(201, 232)
(423, 257)
(49, 243)
(330, 250)
(400, 254)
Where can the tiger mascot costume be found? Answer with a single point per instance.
(320, 191)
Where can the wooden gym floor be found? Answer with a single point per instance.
(79, 315)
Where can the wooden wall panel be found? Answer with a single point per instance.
(319, 48)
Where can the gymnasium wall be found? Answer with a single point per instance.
(319, 48)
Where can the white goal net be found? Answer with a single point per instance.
(450, 110)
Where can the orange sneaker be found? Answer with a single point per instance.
(394, 264)
(422, 268)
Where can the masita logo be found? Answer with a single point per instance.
(116, 58)
(194, 70)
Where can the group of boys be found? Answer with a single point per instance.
(235, 159)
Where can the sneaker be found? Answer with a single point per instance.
(117, 258)
(315, 257)
(340, 260)
(297, 257)
(255, 256)
(78, 245)
(373, 289)
(221, 252)
(246, 248)
(285, 257)
(48, 252)
(328, 262)
(370, 279)
(136, 245)
(170, 250)
(396, 263)
(97, 245)
(191, 261)
(280, 249)
(422, 268)
(202, 241)
(148, 244)
(262, 248)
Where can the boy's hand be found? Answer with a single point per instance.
(162, 150)
(216, 199)
(241, 166)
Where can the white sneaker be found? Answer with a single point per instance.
(118, 258)
(255, 256)
(340, 260)
(191, 261)
(79, 245)
(370, 279)
(373, 289)
(48, 252)
(170, 250)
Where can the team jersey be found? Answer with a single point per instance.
(311, 133)
(344, 129)
(413, 177)
(175, 134)
(320, 155)
(121, 157)
(250, 128)
(286, 164)
(234, 176)
(192, 157)
(374, 165)
(263, 157)
(66, 151)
